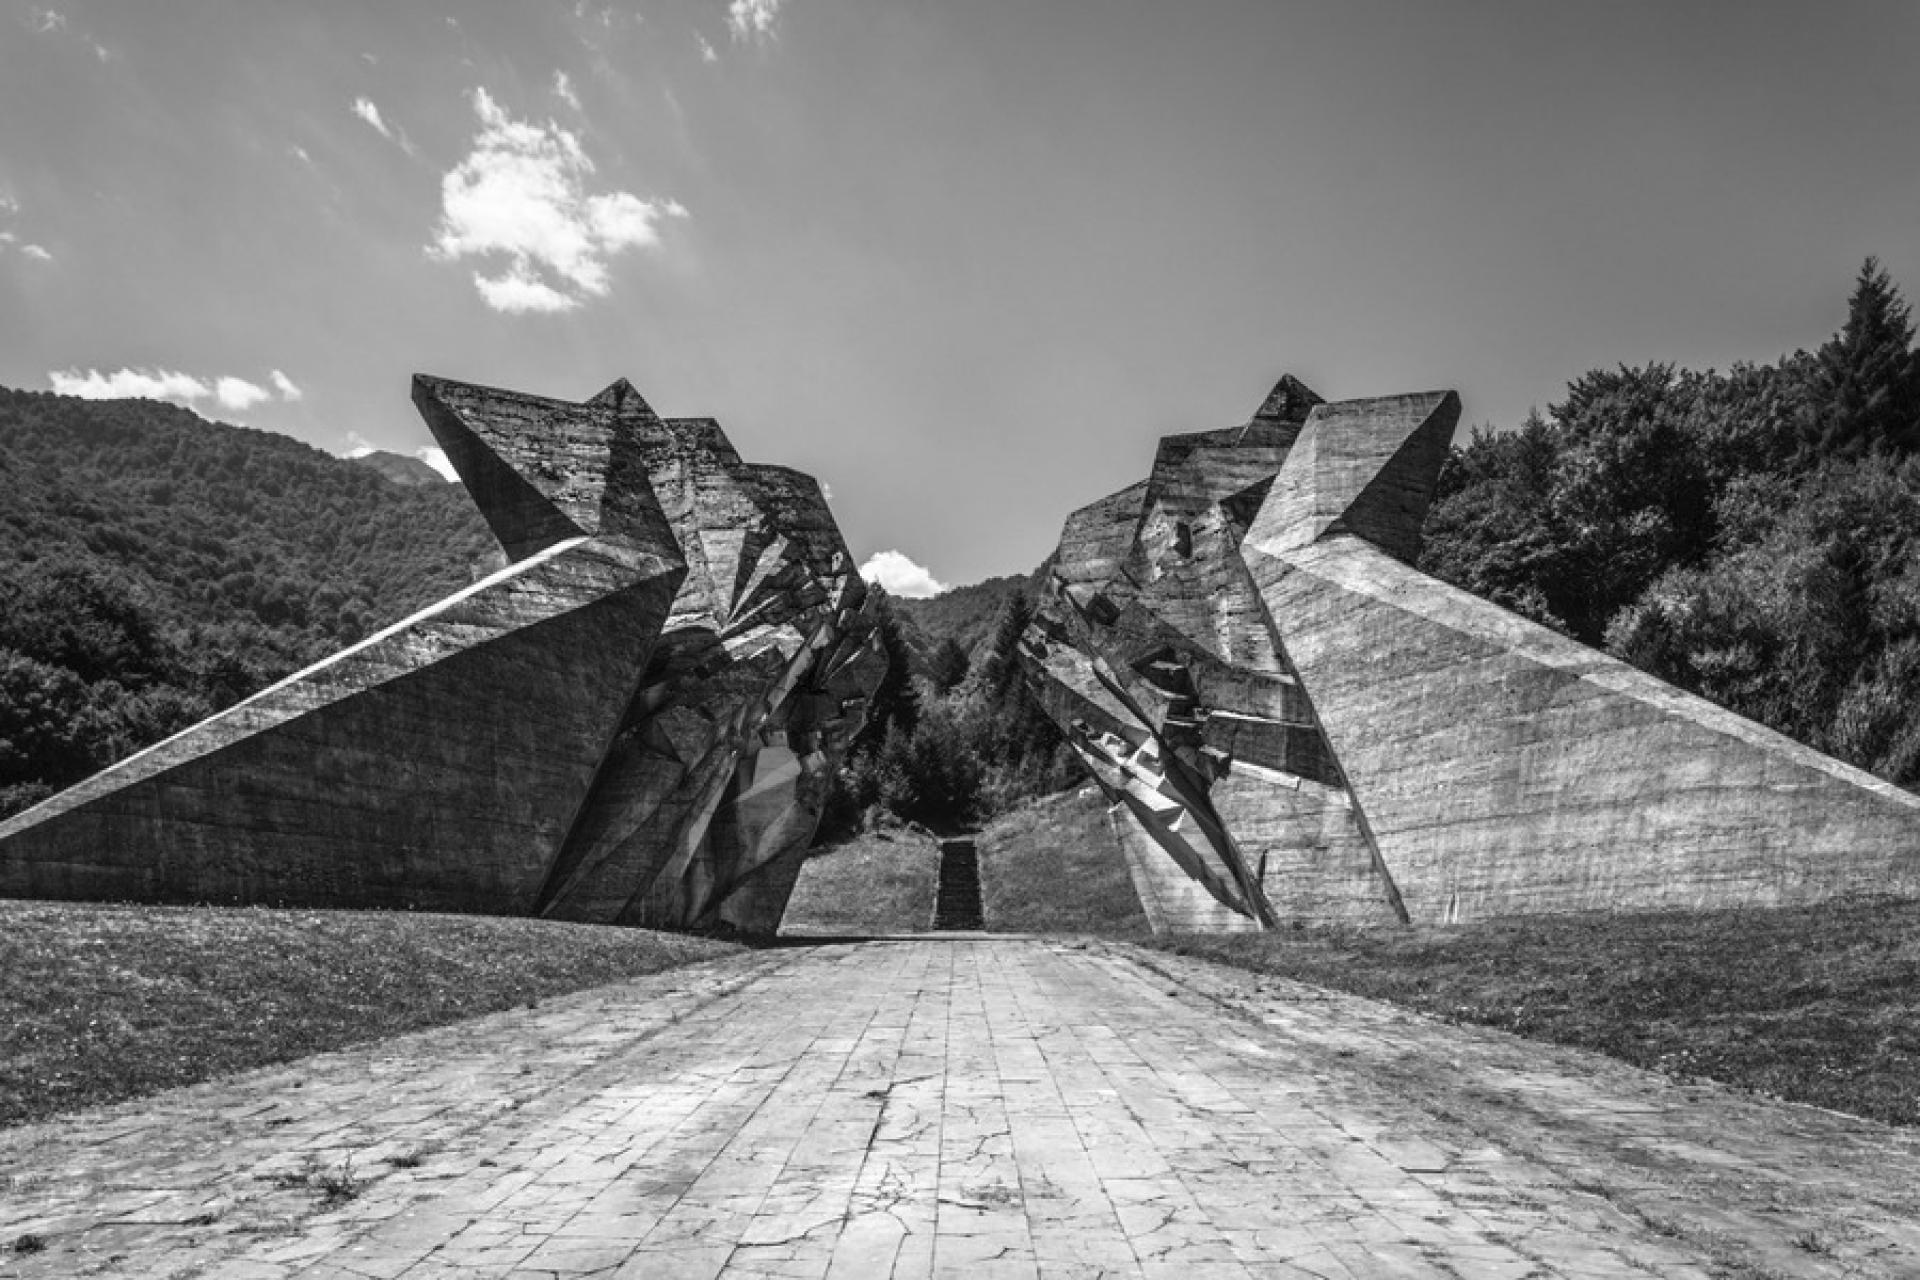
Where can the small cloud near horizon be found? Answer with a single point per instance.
(227, 391)
(900, 576)
(437, 459)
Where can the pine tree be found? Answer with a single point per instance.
(1868, 376)
(1001, 670)
(894, 702)
(948, 666)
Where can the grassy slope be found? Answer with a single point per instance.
(1813, 1004)
(880, 882)
(1053, 867)
(101, 1003)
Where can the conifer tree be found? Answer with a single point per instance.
(1868, 377)
(894, 703)
(948, 666)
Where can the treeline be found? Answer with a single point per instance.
(155, 568)
(950, 742)
(1750, 536)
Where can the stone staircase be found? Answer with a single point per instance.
(958, 905)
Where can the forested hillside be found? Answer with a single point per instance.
(1753, 535)
(964, 615)
(156, 567)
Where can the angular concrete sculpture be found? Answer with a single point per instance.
(653, 689)
(1294, 724)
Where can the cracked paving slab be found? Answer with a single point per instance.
(1050, 1110)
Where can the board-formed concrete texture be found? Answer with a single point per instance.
(1296, 725)
(677, 642)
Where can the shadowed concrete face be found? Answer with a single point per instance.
(1295, 724)
(1152, 652)
(663, 601)
(753, 695)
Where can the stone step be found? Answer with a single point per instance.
(958, 905)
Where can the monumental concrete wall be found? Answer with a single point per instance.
(633, 721)
(1308, 729)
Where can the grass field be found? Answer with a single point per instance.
(1813, 1004)
(1053, 867)
(101, 1003)
(879, 882)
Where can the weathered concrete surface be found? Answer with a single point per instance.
(1294, 724)
(1502, 768)
(1152, 652)
(436, 765)
(966, 1109)
(633, 720)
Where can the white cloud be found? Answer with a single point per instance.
(437, 459)
(299, 153)
(149, 384)
(285, 386)
(9, 206)
(519, 291)
(357, 446)
(35, 252)
(752, 19)
(238, 394)
(563, 90)
(47, 21)
(230, 393)
(900, 576)
(521, 194)
(366, 110)
(707, 52)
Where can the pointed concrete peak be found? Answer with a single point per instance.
(1291, 400)
(621, 396)
(541, 470)
(1365, 467)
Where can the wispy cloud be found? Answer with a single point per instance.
(520, 195)
(37, 253)
(369, 111)
(563, 90)
(752, 19)
(900, 576)
(46, 21)
(707, 52)
(285, 386)
(228, 392)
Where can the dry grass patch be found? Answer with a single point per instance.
(1814, 1004)
(1053, 866)
(104, 1002)
(880, 882)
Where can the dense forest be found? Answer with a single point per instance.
(952, 737)
(1752, 535)
(156, 567)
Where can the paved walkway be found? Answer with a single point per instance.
(958, 1108)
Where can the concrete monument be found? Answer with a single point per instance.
(1294, 724)
(631, 721)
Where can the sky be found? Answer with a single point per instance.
(964, 261)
